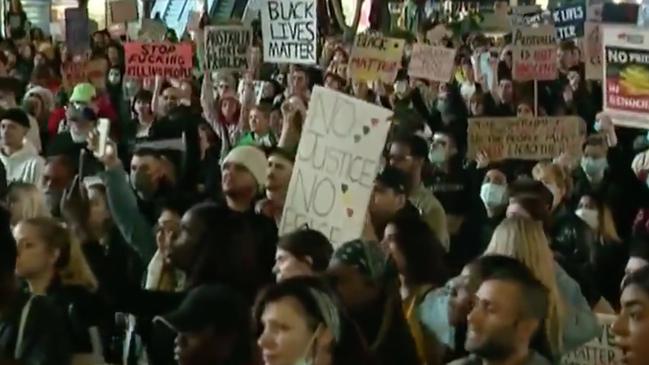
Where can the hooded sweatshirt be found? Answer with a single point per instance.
(24, 165)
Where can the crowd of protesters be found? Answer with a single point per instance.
(150, 253)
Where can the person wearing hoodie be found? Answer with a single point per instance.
(21, 160)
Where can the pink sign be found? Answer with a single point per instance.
(145, 60)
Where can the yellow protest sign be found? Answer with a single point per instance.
(375, 57)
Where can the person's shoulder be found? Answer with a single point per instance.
(469, 360)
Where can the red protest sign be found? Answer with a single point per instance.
(144, 60)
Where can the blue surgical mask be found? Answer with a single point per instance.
(594, 167)
(493, 195)
(437, 155)
(597, 126)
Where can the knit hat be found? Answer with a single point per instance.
(16, 115)
(83, 93)
(253, 159)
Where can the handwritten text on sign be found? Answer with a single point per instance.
(144, 60)
(534, 52)
(336, 164)
(525, 138)
(289, 30)
(593, 51)
(569, 21)
(226, 47)
(431, 63)
(600, 351)
(375, 57)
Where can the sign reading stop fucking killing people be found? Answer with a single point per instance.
(289, 30)
(626, 75)
(144, 60)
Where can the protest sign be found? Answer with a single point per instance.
(226, 47)
(147, 60)
(432, 63)
(96, 71)
(593, 51)
(526, 15)
(569, 21)
(258, 86)
(335, 167)
(626, 75)
(77, 31)
(76, 72)
(289, 29)
(375, 57)
(525, 138)
(535, 53)
(152, 31)
(599, 351)
(123, 11)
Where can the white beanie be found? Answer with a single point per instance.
(253, 159)
(44, 94)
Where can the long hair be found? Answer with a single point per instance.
(525, 240)
(321, 307)
(72, 267)
(607, 230)
(30, 202)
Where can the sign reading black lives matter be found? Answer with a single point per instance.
(337, 160)
(569, 21)
(289, 29)
(226, 47)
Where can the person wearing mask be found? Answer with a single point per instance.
(278, 176)
(57, 176)
(408, 153)
(494, 198)
(510, 308)
(10, 89)
(298, 321)
(607, 252)
(21, 161)
(418, 257)
(52, 263)
(212, 327)
(72, 142)
(84, 95)
(631, 327)
(363, 278)
(303, 252)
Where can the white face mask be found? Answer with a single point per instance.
(589, 216)
(493, 195)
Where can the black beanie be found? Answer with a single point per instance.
(16, 115)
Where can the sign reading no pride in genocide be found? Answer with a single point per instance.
(375, 57)
(289, 29)
(626, 72)
(525, 138)
(335, 167)
(534, 52)
(432, 63)
(599, 351)
(226, 47)
(144, 60)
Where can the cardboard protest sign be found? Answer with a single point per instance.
(525, 138)
(152, 31)
(600, 351)
(431, 63)
(289, 29)
(123, 11)
(147, 60)
(626, 75)
(258, 86)
(569, 21)
(593, 51)
(375, 57)
(534, 53)
(335, 167)
(77, 31)
(226, 47)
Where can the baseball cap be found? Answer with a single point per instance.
(393, 178)
(207, 306)
(83, 93)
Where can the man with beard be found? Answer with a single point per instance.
(278, 176)
(243, 178)
(510, 307)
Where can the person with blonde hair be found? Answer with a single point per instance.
(26, 201)
(52, 264)
(570, 322)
